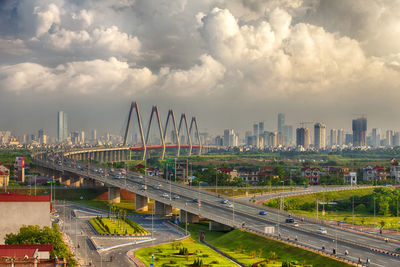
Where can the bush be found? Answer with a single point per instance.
(360, 208)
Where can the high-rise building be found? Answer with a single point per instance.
(303, 137)
(272, 139)
(396, 139)
(376, 137)
(230, 138)
(319, 135)
(62, 126)
(340, 137)
(359, 132)
(348, 139)
(82, 137)
(389, 138)
(333, 137)
(288, 134)
(281, 122)
(260, 127)
(256, 134)
(40, 133)
(94, 135)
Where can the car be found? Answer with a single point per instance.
(176, 197)
(159, 185)
(289, 220)
(196, 200)
(262, 212)
(397, 250)
(229, 205)
(143, 187)
(224, 201)
(165, 195)
(156, 187)
(295, 224)
(322, 231)
(140, 176)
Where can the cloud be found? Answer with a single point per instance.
(46, 18)
(87, 77)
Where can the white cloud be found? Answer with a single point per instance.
(46, 18)
(201, 79)
(86, 77)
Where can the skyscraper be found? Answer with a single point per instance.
(340, 137)
(256, 134)
(94, 135)
(334, 137)
(319, 135)
(389, 138)
(359, 132)
(376, 137)
(281, 122)
(303, 137)
(62, 126)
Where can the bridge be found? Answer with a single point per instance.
(194, 203)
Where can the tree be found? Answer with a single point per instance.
(33, 234)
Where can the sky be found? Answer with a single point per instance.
(230, 63)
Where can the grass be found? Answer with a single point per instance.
(248, 191)
(168, 254)
(249, 248)
(293, 204)
(116, 226)
(244, 246)
(129, 206)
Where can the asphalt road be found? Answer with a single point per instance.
(357, 244)
(79, 232)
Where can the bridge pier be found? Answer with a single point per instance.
(191, 218)
(114, 195)
(76, 181)
(141, 203)
(161, 209)
(215, 226)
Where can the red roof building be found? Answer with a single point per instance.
(14, 197)
(22, 251)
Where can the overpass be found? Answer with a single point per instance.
(194, 203)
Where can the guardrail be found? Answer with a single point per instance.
(197, 211)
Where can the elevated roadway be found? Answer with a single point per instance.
(241, 215)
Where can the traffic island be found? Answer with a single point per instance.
(117, 227)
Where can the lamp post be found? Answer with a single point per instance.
(186, 222)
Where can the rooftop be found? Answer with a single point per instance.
(19, 251)
(13, 197)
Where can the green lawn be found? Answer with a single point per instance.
(305, 205)
(125, 204)
(169, 254)
(244, 246)
(117, 226)
(249, 191)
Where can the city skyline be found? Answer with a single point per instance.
(87, 58)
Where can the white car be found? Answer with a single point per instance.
(165, 195)
(229, 205)
(322, 231)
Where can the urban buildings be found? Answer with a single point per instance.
(18, 210)
(359, 127)
(4, 175)
(303, 137)
(319, 135)
(281, 122)
(231, 139)
(62, 126)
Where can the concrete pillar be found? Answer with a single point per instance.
(191, 218)
(66, 181)
(114, 195)
(141, 203)
(76, 181)
(215, 226)
(161, 209)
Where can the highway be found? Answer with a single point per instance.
(211, 207)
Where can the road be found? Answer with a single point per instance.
(79, 232)
(357, 244)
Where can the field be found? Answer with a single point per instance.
(116, 226)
